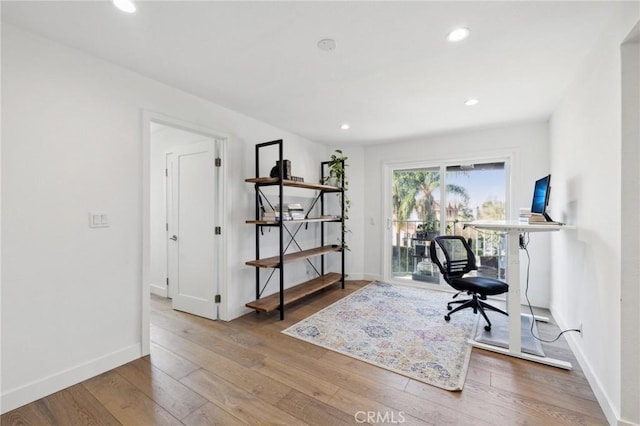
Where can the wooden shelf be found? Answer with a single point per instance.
(293, 221)
(282, 296)
(292, 294)
(269, 181)
(274, 262)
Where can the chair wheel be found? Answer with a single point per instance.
(449, 308)
(487, 327)
(447, 317)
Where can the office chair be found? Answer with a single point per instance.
(458, 261)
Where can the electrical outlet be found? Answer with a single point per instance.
(98, 220)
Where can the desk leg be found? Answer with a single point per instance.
(522, 355)
(514, 308)
(513, 296)
(537, 317)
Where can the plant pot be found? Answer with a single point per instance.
(431, 235)
(332, 182)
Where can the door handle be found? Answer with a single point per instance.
(174, 238)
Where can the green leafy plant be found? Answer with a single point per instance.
(337, 177)
(337, 168)
(433, 226)
(428, 230)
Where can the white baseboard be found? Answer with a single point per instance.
(35, 390)
(237, 313)
(370, 277)
(355, 276)
(158, 290)
(610, 412)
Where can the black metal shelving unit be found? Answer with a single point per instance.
(284, 296)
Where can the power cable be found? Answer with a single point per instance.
(524, 242)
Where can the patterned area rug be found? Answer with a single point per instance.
(399, 328)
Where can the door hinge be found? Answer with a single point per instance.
(167, 281)
(167, 227)
(166, 172)
(218, 298)
(218, 230)
(218, 162)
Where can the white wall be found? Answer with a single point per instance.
(72, 131)
(586, 160)
(528, 145)
(1, 274)
(630, 227)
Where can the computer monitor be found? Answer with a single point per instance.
(541, 197)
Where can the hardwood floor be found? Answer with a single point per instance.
(203, 372)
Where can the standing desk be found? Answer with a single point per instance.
(513, 229)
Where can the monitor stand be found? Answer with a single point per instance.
(541, 219)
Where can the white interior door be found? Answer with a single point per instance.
(191, 229)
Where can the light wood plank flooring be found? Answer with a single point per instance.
(245, 371)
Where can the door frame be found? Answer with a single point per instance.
(221, 201)
(388, 168)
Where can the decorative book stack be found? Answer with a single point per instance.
(296, 211)
(291, 211)
(275, 216)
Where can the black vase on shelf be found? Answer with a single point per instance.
(275, 171)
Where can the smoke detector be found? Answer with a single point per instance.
(327, 44)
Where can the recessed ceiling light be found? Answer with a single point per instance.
(327, 44)
(471, 102)
(458, 34)
(345, 126)
(125, 5)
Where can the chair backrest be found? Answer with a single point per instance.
(458, 256)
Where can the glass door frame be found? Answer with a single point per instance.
(388, 168)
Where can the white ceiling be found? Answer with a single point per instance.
(392, 76)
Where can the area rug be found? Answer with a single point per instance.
(499, 334)
(399, 328)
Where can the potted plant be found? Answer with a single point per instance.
(336, 167)
(421, 231)
(337, 177)
(428, 230)
(432, 229)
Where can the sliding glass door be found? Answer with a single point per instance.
(438, 200)
(415, 223)
(485, 187)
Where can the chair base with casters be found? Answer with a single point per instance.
(455, 261)
(478, 306)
